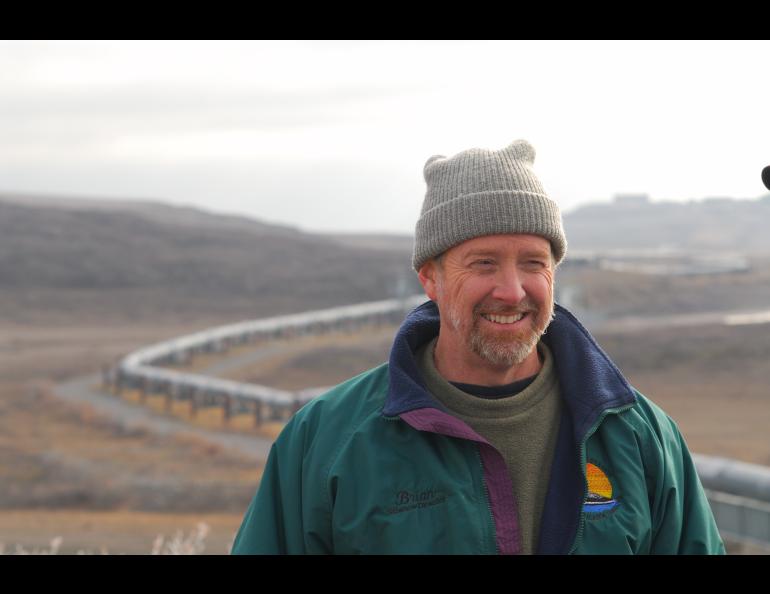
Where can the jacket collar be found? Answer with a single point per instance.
(590, 382)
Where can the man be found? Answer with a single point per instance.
(498, 424)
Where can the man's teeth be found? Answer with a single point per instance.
(503, 319)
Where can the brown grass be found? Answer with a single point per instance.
(325, 360)
(712, 380)
(121, 531)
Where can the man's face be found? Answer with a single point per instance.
(495, 296)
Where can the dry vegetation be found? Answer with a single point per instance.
(56, 457)
(321, 361)
(116, 532)
(713, 380)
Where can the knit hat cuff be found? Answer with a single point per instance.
(487, 213)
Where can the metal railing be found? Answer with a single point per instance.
(739, 494)
(139, 371)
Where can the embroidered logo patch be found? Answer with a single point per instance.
(408, 500)
(600, 497)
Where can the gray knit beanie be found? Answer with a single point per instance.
(483, 192)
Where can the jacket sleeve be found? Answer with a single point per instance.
(288, 513)
(262, 530)
(683, 523)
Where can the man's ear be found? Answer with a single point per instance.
(427, 275)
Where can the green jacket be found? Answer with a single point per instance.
(377, 465)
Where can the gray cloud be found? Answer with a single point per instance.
(79, 119)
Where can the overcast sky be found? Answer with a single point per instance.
(334, 135)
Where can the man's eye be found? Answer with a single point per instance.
(484, 262)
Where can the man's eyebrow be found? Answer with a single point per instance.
(480, 253)
(535, 254)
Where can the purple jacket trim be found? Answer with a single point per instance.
(504, 509)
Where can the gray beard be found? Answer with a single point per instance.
(504, 352)
(507, 353)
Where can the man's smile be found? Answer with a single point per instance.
(504, 320)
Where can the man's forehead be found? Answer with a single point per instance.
(503, 243)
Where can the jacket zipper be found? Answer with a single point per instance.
(490, 517)
(582, 452)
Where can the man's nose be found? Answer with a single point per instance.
(508, 286)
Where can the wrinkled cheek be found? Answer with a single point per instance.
(456, 319)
